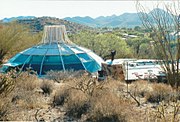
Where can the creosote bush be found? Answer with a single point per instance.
(159, 93)
(77, 104)
(7, 82)
(24, 92)
(27, 81)
(60, 97)
(140, 88)
(5, 108)
(61, 76)
(47, 87)
(107, 107)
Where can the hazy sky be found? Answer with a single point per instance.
(61, 9)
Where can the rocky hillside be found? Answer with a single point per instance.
(37, 24)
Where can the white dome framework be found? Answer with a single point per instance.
(56, 52)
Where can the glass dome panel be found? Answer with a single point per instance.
(52, 52)
(36, 59)
(28, 51)
(35, 67)
(70, 59)
(38, 51)
(92, 66)
(77, 66)
(84, 57)
(48, 46)
(21, 58)
(13, 58)
(76, 50)
(65, 50)
(54, 67)
(51, 60)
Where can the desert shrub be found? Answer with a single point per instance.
(27, 100)
(114, 85)
(107, 107)
(159, 93)
(61, 76)
(6, 83)
(164, 112)
(77, 104)
(23, 94)
(85, 83)
(140, 88)
(27, 81)
(61, 96)
(47, 87)
(5, 108)
(15, 37)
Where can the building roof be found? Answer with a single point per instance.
(56, 52)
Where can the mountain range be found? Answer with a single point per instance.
(128, 20)
(124, 20)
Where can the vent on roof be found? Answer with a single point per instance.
(55, 34)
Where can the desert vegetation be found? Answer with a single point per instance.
(85, 98)
(15, 38)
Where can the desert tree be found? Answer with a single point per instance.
(15, 37)
(164, 25)
(103, 43)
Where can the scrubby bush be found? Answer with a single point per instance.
(140, 88)
(23, 94)
(107, 107)
(60, 96)
(159, 93)
(47, 87)
(77, 104)
(5, 108)
(7, 83)
(61, 76)
(27, 81)
(14, 38)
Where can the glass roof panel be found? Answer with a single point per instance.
(76, 50)
(49, 46)
(92, 66)
(77, 66)
(84, 57)
(70, 59)
(39, 51)
(98, 59)
(21, 58)
(66, 51)
(51, 60)
(28, 51)
(52, 52)
(36, 59)
(13, 58)
(47, 68)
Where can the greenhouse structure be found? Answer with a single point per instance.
(56, 52)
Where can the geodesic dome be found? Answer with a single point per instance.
(55, 52)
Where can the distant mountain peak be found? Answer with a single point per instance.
(17, 18)
(123, 20)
